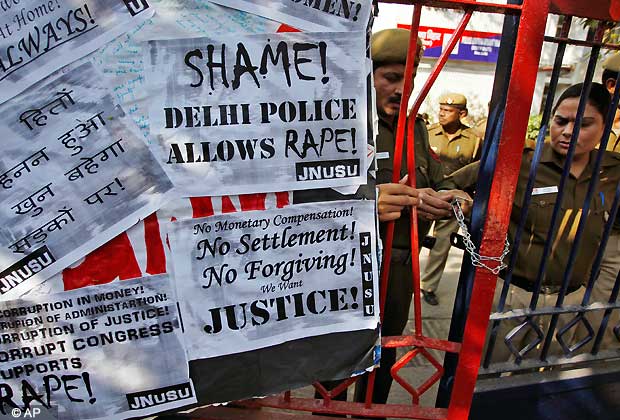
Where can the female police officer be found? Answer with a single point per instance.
(544, 197)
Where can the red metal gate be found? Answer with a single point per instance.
(532, 16)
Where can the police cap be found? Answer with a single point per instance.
(612, 63)
(453, 99)
(389, 46)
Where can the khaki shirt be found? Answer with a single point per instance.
(428, 174)
(613, 145)
(462, 149)
(540, 211)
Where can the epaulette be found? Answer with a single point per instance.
(434, 127)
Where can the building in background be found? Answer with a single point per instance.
(471, 67)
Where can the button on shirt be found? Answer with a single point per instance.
(462, 149)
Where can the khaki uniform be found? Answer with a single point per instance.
(400, 284)
(462, 149)
(537, 224)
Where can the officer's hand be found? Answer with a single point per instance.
(393, 198)
(464, 199)
(433, 205)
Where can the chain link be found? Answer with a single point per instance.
(478, 260)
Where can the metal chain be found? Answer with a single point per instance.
(478, 260)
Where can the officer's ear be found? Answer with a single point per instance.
(463, 113)
(610, 85)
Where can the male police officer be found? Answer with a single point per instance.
(457, 146)
(389, 52)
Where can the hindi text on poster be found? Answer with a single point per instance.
(74, 174)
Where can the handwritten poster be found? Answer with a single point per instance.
(74, 173)
(310, 15)
(38, 37)
(140, 251)
(103, 352)
(256, 113)
(255, 279)
(121, 60)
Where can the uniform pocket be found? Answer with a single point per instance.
(541, 211)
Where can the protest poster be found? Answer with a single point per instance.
(74, 174)
(104, 352)
(259, 113)
(121, 61)
(140, 251)
(38, 37)
(310, 15)
(256, 279)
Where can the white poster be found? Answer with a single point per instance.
(310, 15)
(139, 251)
(104, 352)
(121, 61)
(74, 173)
(254, 113)
(38, 37)
(256, 279)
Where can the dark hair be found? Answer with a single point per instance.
(608, 74)
(599, 97)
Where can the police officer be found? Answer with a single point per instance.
(540, 211)
(457, 146)
(389, 52)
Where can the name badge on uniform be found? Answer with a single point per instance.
(545, 190)
(382, 155)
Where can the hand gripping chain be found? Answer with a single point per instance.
(478, 260)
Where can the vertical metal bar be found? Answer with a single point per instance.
(609, 121)
(415, 255)
(609, 226)
(586, 205)
(553, 83)
(398, 150)
(398, 153)
(614, 292)
(488, 160)
(519, 100)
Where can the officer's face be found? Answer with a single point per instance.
(389, 83)
(563, 123)
(449, 114)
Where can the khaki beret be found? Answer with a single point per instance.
(389, 46)
(454, 99)
(612, 63)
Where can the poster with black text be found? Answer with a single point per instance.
(256, 279)
(104, 352)
(38, 37)
(310, 15)
(259, 113)
(74, 173)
